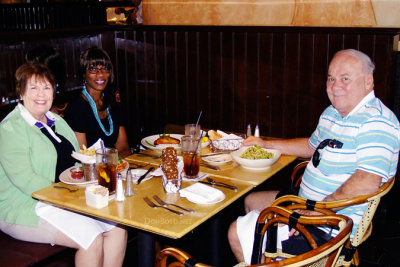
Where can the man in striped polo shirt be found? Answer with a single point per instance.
(354, 149)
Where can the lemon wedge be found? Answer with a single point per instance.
(204, 139)
(103, 175)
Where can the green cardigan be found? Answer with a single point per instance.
(27, 163)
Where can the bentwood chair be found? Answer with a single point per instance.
(270, 217)
(364, 229)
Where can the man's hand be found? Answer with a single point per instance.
(252, 140)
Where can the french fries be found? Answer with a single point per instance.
(88, 152)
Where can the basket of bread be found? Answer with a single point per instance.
(171, 166)
(223, 141)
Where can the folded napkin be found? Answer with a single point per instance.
(86, 158)
(201, 193)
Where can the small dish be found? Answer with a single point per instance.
(136, 173)
(66, 178)
(219, 159)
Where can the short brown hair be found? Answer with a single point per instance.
(27, 71)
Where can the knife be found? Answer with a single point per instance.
(145, 175)
(210, 166)
(220, 185)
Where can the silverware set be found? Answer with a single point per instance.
(212, 182)
(153, 205)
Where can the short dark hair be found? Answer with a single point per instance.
(27, 71)
(95, 56)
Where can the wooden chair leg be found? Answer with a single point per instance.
(356, 260)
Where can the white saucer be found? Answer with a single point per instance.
(200, 176)
(66, 178)
(214, 201)
(218, 159)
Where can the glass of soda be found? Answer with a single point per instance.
(106, 163)
(191, 155)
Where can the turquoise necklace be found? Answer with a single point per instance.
(96, 115)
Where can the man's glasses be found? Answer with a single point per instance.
(96, 69)
(333, 143)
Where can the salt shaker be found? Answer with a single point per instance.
(248, 130)
(128, 188)
(119, 194)
(257, 131)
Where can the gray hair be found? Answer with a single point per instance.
(366, 61)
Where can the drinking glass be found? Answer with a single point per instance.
(90, 172)
(106, 163)
(192, 129)
(191, 155)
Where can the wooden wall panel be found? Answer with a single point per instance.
(238, 75)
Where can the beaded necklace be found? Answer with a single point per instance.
(96, 115)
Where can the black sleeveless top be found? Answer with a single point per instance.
(64, 151)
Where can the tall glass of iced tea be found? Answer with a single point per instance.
(106, 163)
(191, 155)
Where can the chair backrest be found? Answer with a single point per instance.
(326, 253)
(174, 257)
(364, 228)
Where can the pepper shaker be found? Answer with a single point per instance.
(119, 194)
(257, 131)
(128, 188)
(248, 130)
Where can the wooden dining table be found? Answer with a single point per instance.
(135, 212)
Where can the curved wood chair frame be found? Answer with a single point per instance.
(174, 257)
(324, 255)
(364, 229)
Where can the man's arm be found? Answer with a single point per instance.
(297, 147)
(360, 183)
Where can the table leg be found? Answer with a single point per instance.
(146, 249)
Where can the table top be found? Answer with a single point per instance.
(136, 213)
(231, 171)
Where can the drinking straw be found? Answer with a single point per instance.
(198, 143)
(197, 147)
(104, 157)
(198, 119)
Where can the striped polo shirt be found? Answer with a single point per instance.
(370, 134)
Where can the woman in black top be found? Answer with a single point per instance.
(95, 113)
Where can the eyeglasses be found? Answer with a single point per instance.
(95, 69)
(333, 143)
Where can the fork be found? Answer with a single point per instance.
(164, 204)
(151, 204)
(69, 189)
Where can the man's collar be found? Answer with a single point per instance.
(363, 101)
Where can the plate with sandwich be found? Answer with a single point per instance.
(161, 141)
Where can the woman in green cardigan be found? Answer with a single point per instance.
(35, 147)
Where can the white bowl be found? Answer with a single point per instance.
(255, 164)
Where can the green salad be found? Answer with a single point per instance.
(256, 152)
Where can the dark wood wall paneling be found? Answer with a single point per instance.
(274, 77)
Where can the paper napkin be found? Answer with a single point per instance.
(86, 158)
(201, 193)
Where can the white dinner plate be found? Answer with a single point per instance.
(149, 141)
(218, 159)
(214, 201)
(66, 178)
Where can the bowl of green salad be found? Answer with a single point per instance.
(255, 157)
